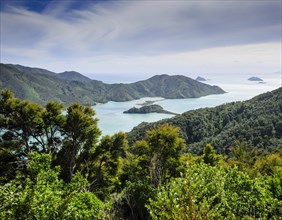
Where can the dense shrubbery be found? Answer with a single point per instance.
(38, 193)
(206, 192)
(53, 166)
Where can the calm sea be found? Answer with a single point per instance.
(238, 88)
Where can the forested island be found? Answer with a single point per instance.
(148, 109)
(213, 163)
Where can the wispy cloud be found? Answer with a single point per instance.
(141, 30)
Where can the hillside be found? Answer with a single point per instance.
(41, 85)
(257, 121)
(174, 87)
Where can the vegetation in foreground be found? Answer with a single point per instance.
(56, 166)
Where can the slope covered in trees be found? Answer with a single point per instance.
(56, 166)
(256, 121)
(40, 86)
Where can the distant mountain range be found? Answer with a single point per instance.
(40, 86)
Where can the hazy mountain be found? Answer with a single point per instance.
(254, 78)
(199, 78)
(41, 85)
(256, 121)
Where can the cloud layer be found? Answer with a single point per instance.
(127, 36)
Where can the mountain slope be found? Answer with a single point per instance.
(30, 70)
(72, 75)
(257, 121)
(40, 85)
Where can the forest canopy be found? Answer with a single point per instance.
(56, 165)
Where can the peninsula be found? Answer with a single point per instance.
(40, 86)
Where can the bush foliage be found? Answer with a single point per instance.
(55, 165)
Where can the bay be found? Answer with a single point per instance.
(112, 119)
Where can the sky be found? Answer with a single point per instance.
(137, 38)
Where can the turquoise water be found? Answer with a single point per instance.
(112, 119)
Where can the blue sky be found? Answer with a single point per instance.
(143, 37)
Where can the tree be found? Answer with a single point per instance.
(80, 135)
(27, 127)
(243, 155)
(164, 149)
(105, 163)
(210, 157)
(136, 194)
(53, 127)
(20, 120)
(269, 164)
(148, 164)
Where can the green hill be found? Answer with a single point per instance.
(174, 87)
(41, 85)
(257, 121)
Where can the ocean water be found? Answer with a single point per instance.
(112, 119)
(238, 88)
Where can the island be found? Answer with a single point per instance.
(256, 79)
(148, 109)
(199, 78)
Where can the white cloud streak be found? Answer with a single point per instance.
(145, 36)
